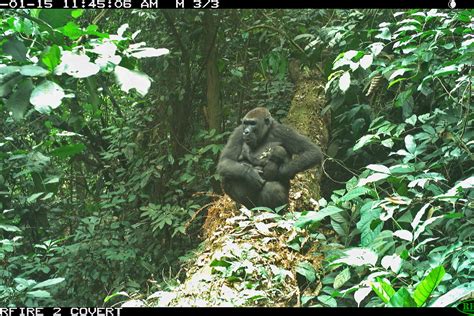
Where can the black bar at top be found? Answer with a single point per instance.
(235, 4)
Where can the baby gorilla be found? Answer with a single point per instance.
(268, 162)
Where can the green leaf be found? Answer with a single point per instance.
(373, 178)
(356, 192)
(402, 299)
(366, 139)
(9, 228)
(33, 197)
(401, 169)
(39, 294)
(410, 144)
(72, 30)
(47, 96)
(342, 278)
(77, 13)
(313, 217)
(427, 285)
(383, 290)
(33, 71)
(384, 34)
(19, 101)
(378, 168)
(51, 58)
(48, 283)
(56, 17)
(327, 300)
(446, 71)
(15, 48)
(68, 150)
(307, 270)
(411, 120)
(454, 295)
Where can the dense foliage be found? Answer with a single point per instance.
(107, 160)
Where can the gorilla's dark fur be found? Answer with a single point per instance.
(260, 158)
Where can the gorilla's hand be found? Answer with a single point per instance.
(286, 172)
(253, 178)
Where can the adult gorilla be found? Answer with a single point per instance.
(249, 148)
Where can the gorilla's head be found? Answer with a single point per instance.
(256, 124)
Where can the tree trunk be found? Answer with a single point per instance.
(213, 110)
(305, 116)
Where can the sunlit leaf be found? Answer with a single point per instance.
(130, 79)
(47, 96)
(426, 287)
(48, 283)
(345, 81)
(394, 262)
(342, 278)
(149, 52)
(366, 139)
(33, 71)
(366, 61)
(313, 217)
(361, 293)
(75, 65)
(403, 234)
(454, 295)
(358, 257)
(39, 294)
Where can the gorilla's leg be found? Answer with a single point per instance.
(273, 194)
(240, 192)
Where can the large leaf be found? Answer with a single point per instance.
(427, 286)
(313, 217)
(33, 71)
(366, 139)
(68, 150)
(77, 66)
(20, 99)
(51, 57)
(47, 96)
(56, 17)
(345, 81)
(358, 257)
(39, 294)
(356, 192)
(130, 79)
(383, 290)
(72, 31)
(342, 278)
(15, 48)
(402, 299)
(48, 283)
(454, 295)
(307, 270)
(149, 52)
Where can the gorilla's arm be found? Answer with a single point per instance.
(308, 153)
(229, 167)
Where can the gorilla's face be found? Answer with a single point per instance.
(254, 130)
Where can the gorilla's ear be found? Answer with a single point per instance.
(267, 121)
